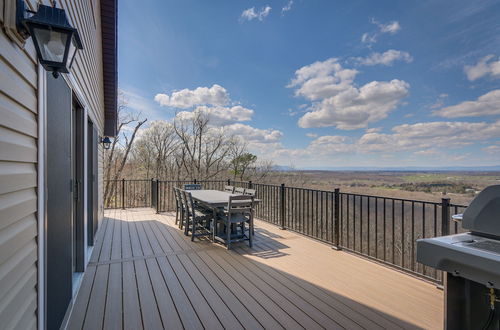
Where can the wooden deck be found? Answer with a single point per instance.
(144, 273)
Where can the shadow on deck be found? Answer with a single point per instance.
(144, 273)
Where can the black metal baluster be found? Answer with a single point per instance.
(385, 230)
(368, 221)
(393, 233)
(361, 223)
(402, 234)
(348, 221)
(413, 235)
(123, 194)
(354, 221)
(321, 220)
(376, 227)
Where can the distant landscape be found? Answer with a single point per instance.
(459, 186)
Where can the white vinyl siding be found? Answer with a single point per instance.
(18, 184)
(18, 154)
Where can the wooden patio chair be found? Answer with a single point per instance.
(197, 221)
(229, 189)
(239, 190)
(238, 213)
(179, 206)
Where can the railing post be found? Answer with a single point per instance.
(282, 206)
(250, 184)
(445, 216)
(151, 201)
(123, 194)
(445, 230)
(157, 196)
(194, 181)
(228, 182)
(336, 224)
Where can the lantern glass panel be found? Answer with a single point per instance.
(51, 43)
(72, 52)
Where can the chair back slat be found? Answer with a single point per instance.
(229, 189)
(178, 203)
(192, 186)
(250, 192)
(239, 190)
(187, 200)
(177, 195)
(240, 204)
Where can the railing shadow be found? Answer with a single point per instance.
(265, 282)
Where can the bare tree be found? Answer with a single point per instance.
(116, 158)
(261, 170)
(153, 152)
(203, 150)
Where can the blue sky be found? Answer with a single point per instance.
(324, 83)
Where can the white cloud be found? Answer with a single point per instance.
(373, 130)
(368, 38)
(422, 139)
(493, 150)
(391, 27)
(443, 134)
(357, 107)
(427, 152)
(312, 135)
(439, 101)
(287, 7)
(322, 79)
(387, 58)
(220, 116)
(441, 141)
(338, 102)
(329, 139)
(487, 104)
(483, 68)
(251, 14)
(186, 98)
(252, 134)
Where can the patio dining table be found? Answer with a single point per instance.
(214, 198)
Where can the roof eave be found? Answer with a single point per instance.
(109, 33)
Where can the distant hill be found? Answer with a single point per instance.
(397, 169)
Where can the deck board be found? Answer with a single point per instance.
(145, 274)
(149, 305)
(185, 309)
(113, 312)
(246, 318)
(132, 318)
(166, 306)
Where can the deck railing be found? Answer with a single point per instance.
(384, 229)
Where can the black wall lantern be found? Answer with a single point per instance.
(106, 142)
(56, 41)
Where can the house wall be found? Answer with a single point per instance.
(18, 184)
(19, 154)
(87, 70)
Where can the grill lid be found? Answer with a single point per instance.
(483, 214)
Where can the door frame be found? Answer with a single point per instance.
(92, 182)
(79, 168)
(42, 188)
(42, 122)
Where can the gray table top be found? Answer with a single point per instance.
(214, 198)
